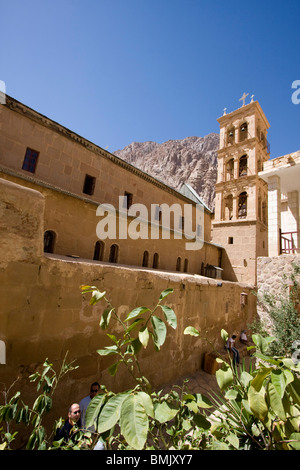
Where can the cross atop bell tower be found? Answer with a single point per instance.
(243, 98)
(240, 223)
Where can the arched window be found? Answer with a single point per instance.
(49, 241)
(186, 265)
(113, 254)
(155, 261)
(243, 165)
(98, 251)
(243, 133)
(242, 205)
(145, 259)
(228, 207)
(230, 136)
(178, 264)
(230, 169)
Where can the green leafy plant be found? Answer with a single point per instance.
(145, 419)
(15, 411)
(258, 408)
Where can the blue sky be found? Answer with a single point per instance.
(118, 71)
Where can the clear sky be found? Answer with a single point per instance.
(118, 71)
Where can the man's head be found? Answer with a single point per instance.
(74, 413)
(95, 388)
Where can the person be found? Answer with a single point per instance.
(243, 337)
(71, 425)
(83, 404)
(231, 346)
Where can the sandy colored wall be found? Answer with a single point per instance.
(43, 313)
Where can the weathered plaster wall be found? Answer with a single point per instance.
(43, 313)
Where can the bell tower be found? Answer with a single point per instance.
(240, 222)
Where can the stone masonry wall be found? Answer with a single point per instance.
(44, 315)
(270, 273)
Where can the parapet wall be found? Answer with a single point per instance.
(44, 315)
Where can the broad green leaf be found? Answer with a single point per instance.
(294, 390)
(93, 410)
(110, 413)
(164, 412)
(201, 421)
(105, 318)
(275, 401)
(190, 330)
(269, 359)
(192, 406)
(144, 336)
(147, 403)
(218, 445)
(257, 402)
(159, 330)
(136, 345)
(261, 342)
(136, 312)
(295, 436)
(290, 364)
(224, 377)
(96, 296)
(108, 350)
(165, 293)
(289, 377)
(113, 368)
(134, 324)
(258, 380)
(278, 380)
(224, 335)
(203, 401)
(134, 421)
(231, 394)
(245, 378)
(233, 440)
(113, 338)
(169, 315)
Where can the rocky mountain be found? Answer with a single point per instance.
(191, 160)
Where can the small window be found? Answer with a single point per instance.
(128, 200)
(157, 215)
(49, 241)
(155, 261)
(98, 251)
(230, 240)
(113, 254)
(89, 185)
(178, 264)
(145, 259)
(186, 265)
(30, 160)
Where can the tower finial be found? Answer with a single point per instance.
(243, 98)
